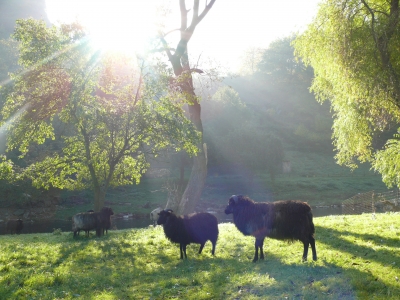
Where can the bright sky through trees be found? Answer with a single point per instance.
(231, 27)
(121, 25)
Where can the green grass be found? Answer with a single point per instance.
(358, 258)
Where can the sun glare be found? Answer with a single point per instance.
(117, 25)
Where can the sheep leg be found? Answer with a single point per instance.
(261, 245)
(183, 250)
(305, 252)
(258, 244)
(213, 248)
(201, 247)
(314, 250)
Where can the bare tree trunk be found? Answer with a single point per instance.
(181, 168)
(194, 188)
(99, 199)
(195, 185)
(180, 63)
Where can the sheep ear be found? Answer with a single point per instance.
(235, 198)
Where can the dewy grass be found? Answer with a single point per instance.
(358, 258)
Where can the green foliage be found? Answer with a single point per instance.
(57, 231)
(387, 162)
(355, 261)
(278, 64)
(353, 47)
(113, 112)
(6, 169)
(8, 59)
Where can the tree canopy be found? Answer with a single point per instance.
(354, 49)
(280, 65)
(98, 115)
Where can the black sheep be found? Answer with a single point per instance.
(100, 221)
(14, 226)
(105, 216)
(282, 220)
(195, 228)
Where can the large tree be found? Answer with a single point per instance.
(111, 115)
(179, 59)
(279, 65)
(354, 49)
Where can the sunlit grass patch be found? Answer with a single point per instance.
(358, 258)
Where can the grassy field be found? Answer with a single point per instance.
(315, 178)
(358, 258)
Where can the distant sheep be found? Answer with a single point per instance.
(14, 226)
(100, 221)
(86, 231)
(195, 228)
(154, 215)
(105, 216)
(282, 220)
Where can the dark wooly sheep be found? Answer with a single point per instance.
(100, 221)
(105, 216)
(14, 226)
(281, 220)
(195, 228)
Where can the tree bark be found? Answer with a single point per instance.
(180, 63)
(99, 199)
(195, 185)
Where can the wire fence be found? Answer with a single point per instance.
(371, 202)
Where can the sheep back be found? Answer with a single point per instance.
(282, 220)
(201, 227)
(87, 221)
(193, 228)
(84, 221)
(289, 219)
(105, 219)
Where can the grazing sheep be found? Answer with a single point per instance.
(86, 231)
(154, 215)
(87, 221)
(106, 214)
(282, 220)
(14, 226)
(195, 228)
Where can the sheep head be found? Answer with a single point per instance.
(163, 216)
(107, 210)
(231, 204)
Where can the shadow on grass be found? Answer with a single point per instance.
(362, 250)
(118, 266)
(334, 238)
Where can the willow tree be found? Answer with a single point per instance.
(179, 59)
(112, 116)
(354, 49)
